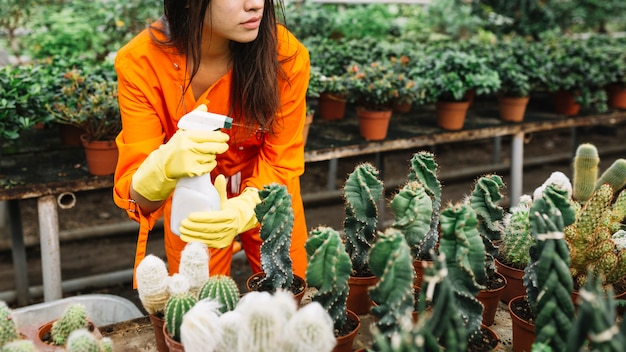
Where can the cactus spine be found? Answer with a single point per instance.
(309, 330)
(263, 320)
(200, 329)
(179, 303)
(223, 289)
(390, 260)
(362, 193)
(425, 170)
(8, 329)
(517, 238)
(465, 258)
(413, 208)
(328, 270)
(19, 346)
(585, 171)
(74, 318)
(152, 281)
(194, 264)
(82, 340)
(615, 175)
(275, 214)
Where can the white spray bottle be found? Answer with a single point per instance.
(196, 193)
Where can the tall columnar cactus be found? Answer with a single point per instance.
(180, 302)
(547, 279)
(465, 258)
(425, 170)
(484, 200)
(8, 328)
(517, 238)
(390, 260)
(614, 176)
(83, 340)
(328, 270)
(152, 281)
(74, 318)
(275, 214)
(19, 346)
(223, 289)
(412, 208)
(362, 193)
(585, 171)
(596, 327)
(194, 264)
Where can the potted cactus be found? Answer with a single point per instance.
(328, 270)
(223, 289)
(83, 340)
(53, 335)
(8, 327)
(181, 300)
(275, 214)
(362, 192)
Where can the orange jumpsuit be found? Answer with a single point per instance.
(151, 83)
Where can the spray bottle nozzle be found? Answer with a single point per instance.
(204, 121)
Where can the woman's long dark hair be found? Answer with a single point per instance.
(256, 67)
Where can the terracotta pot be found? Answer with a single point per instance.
(616, 96)
(70, 135)
(523, 332)
(514, 281)
(373, 125)
(345, 342)
(307, 125)
(565, 103)
(331, 107)
(297, 280)
(512, 109)
(359, 298)
(490, 300)
(41, 336)
(403, 107)
(172, 345)
(470, 95)
(157, 326)
(494, 336)
(451, 114)
(101, 156)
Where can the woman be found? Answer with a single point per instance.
(232, 57)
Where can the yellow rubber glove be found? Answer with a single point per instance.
(186, 154)
(217, 229)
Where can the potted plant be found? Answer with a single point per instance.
(333, 97)
(8, 327)
(312, 93)
(152, 280)
(275, 215)
(451, 73)
(410, 89)
(362, 193)
(328, 270)
(181, 300)
(88, 101)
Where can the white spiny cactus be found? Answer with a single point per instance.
(194, 264)
(201, 330)
(229, 322)
(152, 281)
(309, 330)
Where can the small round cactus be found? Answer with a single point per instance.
(179, 303)
(74, 318)
(223, 289)
(8, 330)
(19, 346)
(82, 340)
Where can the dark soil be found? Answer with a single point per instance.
(260, 283)
(487, 341)
(521, 308)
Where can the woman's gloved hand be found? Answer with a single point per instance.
(186, 154)
(217, 229)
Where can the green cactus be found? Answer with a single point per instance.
(106, 344)
(413, 208)
(275, 214)
(596, 327)
(180, 302)
(585, 171)
(484, 200)
(390, 260)
(362, 193)
(465, 258)
(82, 340)
(19, 346)
(223, 289)
(615, 175)
(425, 170)
(547, 279)
(74, 317)
(517, 238)
(328, 270)
(8, 329)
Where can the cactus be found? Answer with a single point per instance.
(390, 260)
(517, 239)
(484, 200)
(82, 340)
(465, 258)
(200, 329)
(8, 328)
(152, 281)
(413, 208)
(194, 264)
(425, 170)
(74, 318)
(309, 330)
(585, 171)
(229, 322)
(19, 346)
(328, 270)
(547, 279)
(106, 344)
(275, 214)
(615, 176)
(263, 320)
(362, 193)
(596, 319)
(179, 303)
(223, 289)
